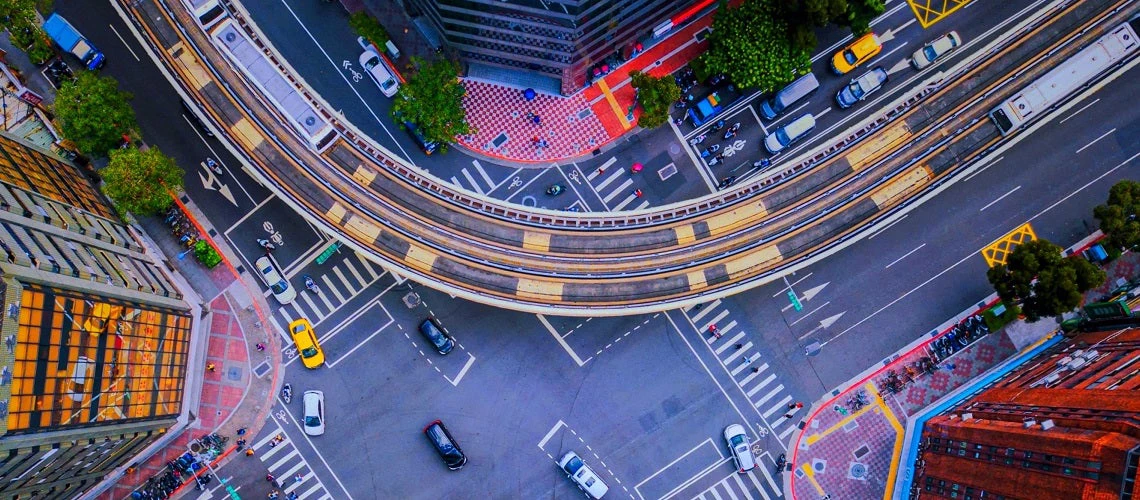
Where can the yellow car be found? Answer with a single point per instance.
(305, 340)
(862, 49)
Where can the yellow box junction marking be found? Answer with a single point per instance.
(536, 241)
(533, 289)
(997, 252)
(929, 12)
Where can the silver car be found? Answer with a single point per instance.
(939, 47)
(738, 446)
(861, 87)
(314, 403)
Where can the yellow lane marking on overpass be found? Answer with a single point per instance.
(536, 241)
(532, 289)
(997, 252)
(744, 215)
(247, 133)
(684, 234)
(363, 228)
(883, 142)
(420, 258)
(336, 213)
(902, 186)
(752, 261)
(929, 12)
(364, 175)
(194, 73)
(696, 280)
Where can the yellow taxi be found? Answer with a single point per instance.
(862, 49)
(305, 340)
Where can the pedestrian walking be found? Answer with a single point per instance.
(210, 367)
(787, 415)
(747, 360)
(795, 406)
(249, 452)
(260, 347)
(636, 168)
(537, 120)
(637, 193)
(755, 369)
(298, 478)
(738, 346)
(269, 477)
(950, 367)
(601, 171)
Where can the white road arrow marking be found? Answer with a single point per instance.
(812, 292)
(209, 180)
(346, 64)
(890, 34)
(824, 324)
(899, 66)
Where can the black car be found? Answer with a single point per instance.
(445, 445)
(434, 333)
(428, 147)
(194, 118)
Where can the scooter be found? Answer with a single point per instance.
(287, 393)
(781, 461)
(698, 139)
(555, 190)
(710, 150)
(764, 163)
(719, 125)
(726, 182)
(311, 285)
(266, 244)
(213, 165)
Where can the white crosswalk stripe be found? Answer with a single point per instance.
(338, 284)
(746, 366)
(617, 187)
(285, 462)
(743, 486)
(479, 181)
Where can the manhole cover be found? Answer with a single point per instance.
(412, 299)
(667, 171)
(858, 470)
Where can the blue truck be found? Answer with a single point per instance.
(68, 38)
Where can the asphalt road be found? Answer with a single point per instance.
(643, 399)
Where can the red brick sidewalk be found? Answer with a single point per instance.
(572, 126)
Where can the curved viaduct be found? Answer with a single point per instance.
(594, 263)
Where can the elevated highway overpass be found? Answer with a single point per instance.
(593, 263)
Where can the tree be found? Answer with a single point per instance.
(1118, 215)
(1042, 280)
(432, 99)
(139, 181)
(656, 96)
(803, 16)
(749, 45)
(368, 27)
(860, 13)
(94, 113)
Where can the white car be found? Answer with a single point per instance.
(738, 446)
(928, 53)
(272, 278)
(582, 475)
(314, 403)
(375, 68)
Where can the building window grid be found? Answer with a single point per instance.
(147, 386)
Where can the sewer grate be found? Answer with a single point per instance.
(667, 171)
(862, 450)
(499, 140)
(852, 425)
(585, 113)
(261, 369)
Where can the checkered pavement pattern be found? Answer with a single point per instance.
(504, 128)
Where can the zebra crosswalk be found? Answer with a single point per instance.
(616, 187)
(338, 284)
(477, 178)
(747, 485)
(290, 469)
(748, 368)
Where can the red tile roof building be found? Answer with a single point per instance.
(1064, 425)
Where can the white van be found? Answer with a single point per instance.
(792, 132)
(370, 60)
(803, 86)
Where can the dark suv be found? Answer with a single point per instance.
(445, 445)
(439, 339)
(428, 147)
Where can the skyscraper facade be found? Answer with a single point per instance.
(549, 45)
(95, 335)
(1064, 424)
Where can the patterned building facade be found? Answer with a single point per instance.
(95, 335)
(564, 41)
(1063, 425)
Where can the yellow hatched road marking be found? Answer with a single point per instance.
(997, 252)
(929, 12)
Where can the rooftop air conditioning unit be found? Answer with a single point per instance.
(1064, 361)
(1077, 353)
(1077, 363)
(1051, 378)
(1048, 424)
(967, 416)
(1090, 354)
(1028, 423)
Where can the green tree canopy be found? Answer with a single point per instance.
(368, 27)
(803, 16)
(656, 96)
(138, 181)
(860, 13)
(1118, 216)
(1044, 282)
(94, 114)
(750, 45)
(432, 99)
